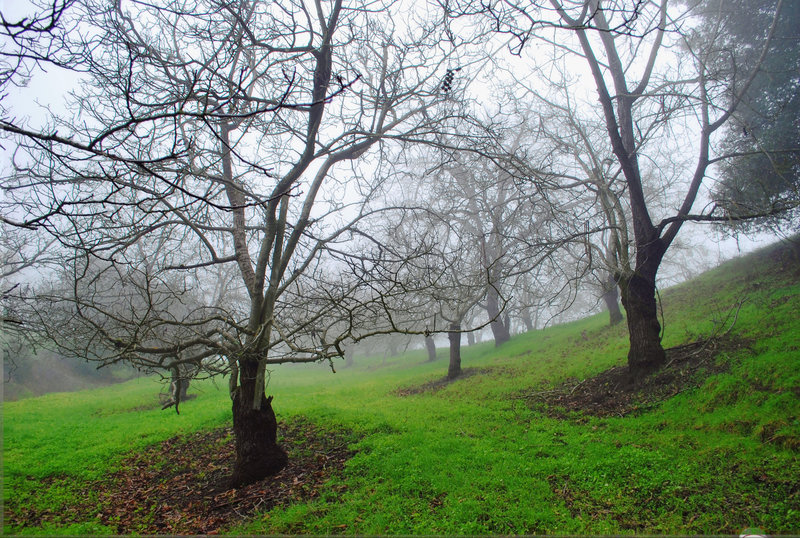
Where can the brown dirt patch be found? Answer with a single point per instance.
(179, 486)
(438, 384)
(614, 393)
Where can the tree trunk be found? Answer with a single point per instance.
(178, 388)
(470, 338)
(454, 370)
(256, 431)
(611, 298)
(181, 378)
(525, 315)
(183, 389)
(794, 243)
(430, 345)
(500, 333)
(499, 329)
(639, 299)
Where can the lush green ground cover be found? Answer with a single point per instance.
(474, 458)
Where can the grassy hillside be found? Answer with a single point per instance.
(476, 456)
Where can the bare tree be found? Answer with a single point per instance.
(581, 162)
(457, 289)
(485, 215)
(209, 140)
(503, 221)
(475, 231)
(658, 87)
(435, 273)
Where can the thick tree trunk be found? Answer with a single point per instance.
(454, 370)
(183, 390)
(430, 345)
(611, 298)
(500, 333)
(256, 430)
(499, 329)
(470, 338)
(639, 299)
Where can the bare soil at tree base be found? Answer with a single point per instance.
(179, 486)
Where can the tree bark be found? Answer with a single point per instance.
(181, 378)
(639, 299)
(611, 298)
(179, 387)
(525, 315)
(183, 388)
(256, 431)
(499, 329)
(454, 370)
(430, 345)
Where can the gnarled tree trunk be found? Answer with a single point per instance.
(179, 387)
(454, 335)
(639, 299)
(256, 431)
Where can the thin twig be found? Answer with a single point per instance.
(578, 385)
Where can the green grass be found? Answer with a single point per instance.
(471, 458)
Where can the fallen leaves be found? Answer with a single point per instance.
(612, 393)
(179, 486)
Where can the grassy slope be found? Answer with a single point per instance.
(471, 458)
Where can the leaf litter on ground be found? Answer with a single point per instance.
(614, 393)
(180, 486)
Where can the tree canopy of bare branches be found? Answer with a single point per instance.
(663, 98)
(211, 163)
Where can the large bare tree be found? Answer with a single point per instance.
(200, 185)
(664, 89)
